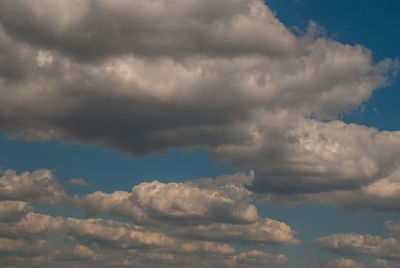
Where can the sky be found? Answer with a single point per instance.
(188, 133)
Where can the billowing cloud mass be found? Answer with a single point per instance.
(256, 258)
(381, 195)
(348, 263)
(11, 211)
(39, 186)
(180, 202)
(215, 210)
(175, 224)
(355, 244)
(226, 76)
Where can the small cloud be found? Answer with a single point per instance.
(80, 182)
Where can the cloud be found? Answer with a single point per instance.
(393, 228)
(125, 236)
(85, 252)
(39, 186)
(182, 203)
(355, 244)
(178, 28)
(206, 209)
(261, 233)
(256, 258)
(80, 182)
(378, 196)
(174, 224)
(348, 263)
(11, 211)
(115, 234)
(22, 247)
(10, 245)
(312, 156)
(224, 76)
(33, 224)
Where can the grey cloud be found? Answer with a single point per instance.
(227, 77)
(256, 258)
(12, 211)
(355, 244)
(125, 236)
(39, 186)
(80, 182)
(348, 263)
(378, 196)
(163, 259)
(207, 209)
(393, 228)
(158, 28)
(264, 232)
(115, 234)
(312, 156)
(33, 224)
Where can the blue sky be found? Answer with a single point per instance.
(114, 141)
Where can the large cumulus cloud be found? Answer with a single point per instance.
(227, 76)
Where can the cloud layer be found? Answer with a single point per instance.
(194, 223)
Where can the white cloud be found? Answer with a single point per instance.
(186, 203)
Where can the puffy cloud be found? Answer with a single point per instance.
(11, 245)
(256, 258)
(206, 248)
(393, 228)
(79, 181)
(226, 76)
(33, 224)
(206, 201)
(85, 252)
(348, 263)
(118, 235)
(175, 28)
(261, 233)
(115, 234)
(206, 209)
(378, 195)
(39, 186)
(11, 211)
(351, 243)
(312, 156)
(22, 247)
(249, 259)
